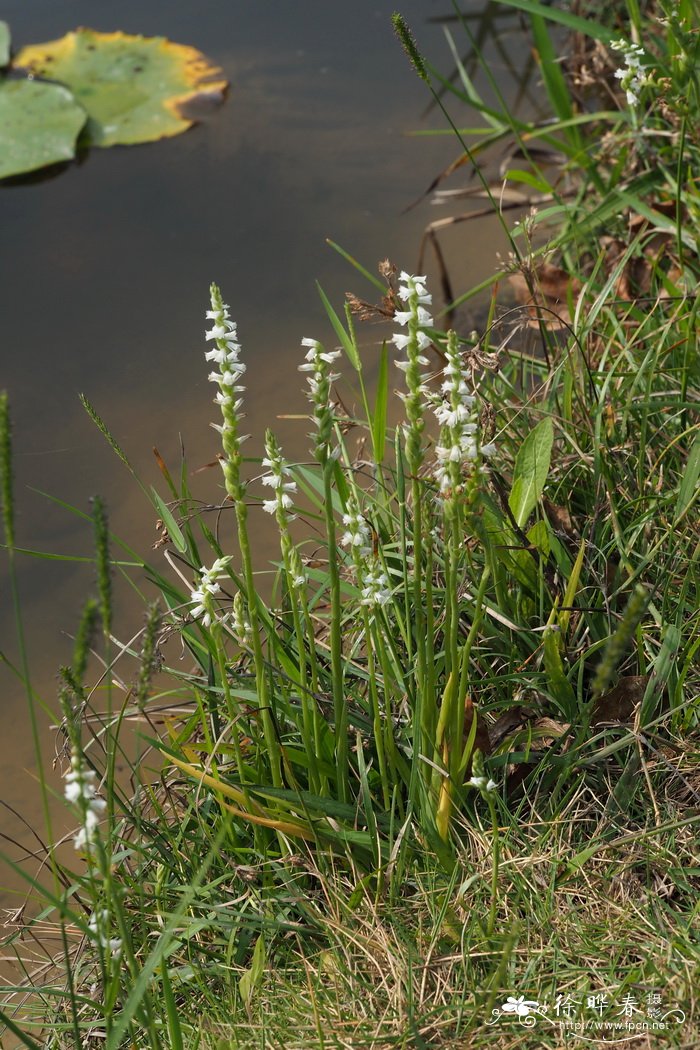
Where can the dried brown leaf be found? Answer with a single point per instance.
(559, 518)
(552, 288)
(619, 704)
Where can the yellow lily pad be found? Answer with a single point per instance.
(133, 88)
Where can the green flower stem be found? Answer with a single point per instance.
(234, 713)
(261, 684)
(403, 532)
(310, 729)
(295, 578)
(390, 748)
(421, 713)
(313, 666)
(413, 292)
(452, 585)
(227, 350)
(379, 733)
(431, 668)
(486, 788)
(447, 738)
(340, 708)
(104, 590)
(308, 711)
(464, 669)
(495, 852)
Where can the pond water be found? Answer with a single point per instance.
(107, 266)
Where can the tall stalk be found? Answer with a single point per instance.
(226, 355)
(317, 361)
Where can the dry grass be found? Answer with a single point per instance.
(420, 972)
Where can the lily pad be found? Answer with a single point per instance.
(133, 88)
(4, 44)
(39, 125)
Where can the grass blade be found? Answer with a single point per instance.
(380, 407)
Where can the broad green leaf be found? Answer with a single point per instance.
(171, 525)
(659, 221)
(345, 340)
(539, 537)
(39, 125)
(663, 668)
(367, 801)
(4, 44)
(688, 490)
(380, 408)
(552, 75)
(134, 88)
(628, 785)
(587, 26)
(252, 977)
(174, 1029)
(518, 175)
(525, 567)
(472, 95)
(559, 686)
(312, 483)
(572, 588)
(531, 470)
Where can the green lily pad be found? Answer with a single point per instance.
(133, 88)
(39, 125)
(4, 44)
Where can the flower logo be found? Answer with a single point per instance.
(520, 1005)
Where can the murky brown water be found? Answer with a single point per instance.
(107, 268)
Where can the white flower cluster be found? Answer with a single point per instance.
(482, 784)
(454, 408)
(316, 362)
(413, 292)
(239, 625)
(374, 585)
(225, 354)
(357, 532)
(276, 480)
(415, 318)
(80, 790)
(455, 412)
(371, 578)
(632, 78)
(281, 505)
(202, 597)
(99, 926)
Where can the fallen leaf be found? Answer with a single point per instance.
(619, 704)
(553, 287)
(559, 519)
(507, 723)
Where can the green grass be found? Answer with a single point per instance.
(418, 970)
(352, 824)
